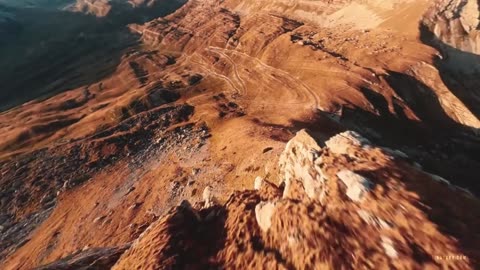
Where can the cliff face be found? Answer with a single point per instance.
(456, 22)
(455, 28)
(210, 101)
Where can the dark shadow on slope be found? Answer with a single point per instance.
(53, 51)
(438, 143)
(451, 152)
(320, 125)
(94, 258)
(458, 69)
(444, 205)
(422, 100)
(194, 237)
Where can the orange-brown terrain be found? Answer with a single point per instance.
(267, 134)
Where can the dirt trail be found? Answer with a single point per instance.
(295, 85)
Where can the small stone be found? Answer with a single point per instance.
(135, 205)
(263, 213)
(390, 250)
(258, 183)
(99, 219)
(417, 165)
(208, 197)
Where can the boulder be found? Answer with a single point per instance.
(263, 213)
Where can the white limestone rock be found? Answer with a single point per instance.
(208, 197)
(340, 143)
(357, 185)
(263, 213)
(299, 162)
(258, 183)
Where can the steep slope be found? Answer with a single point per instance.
(210, 98)
(452, 27)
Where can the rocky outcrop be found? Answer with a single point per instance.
(456, 22)
(402, 220)
(297, 163)
(455, 27)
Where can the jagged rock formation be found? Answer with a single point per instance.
(456, 22)
(453, 26)
(402, 222)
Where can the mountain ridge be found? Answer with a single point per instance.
(216, 97)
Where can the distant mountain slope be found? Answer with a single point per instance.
(82, 50)
(102, 8)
